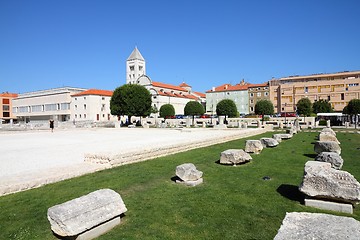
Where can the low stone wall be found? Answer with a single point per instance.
(112, 160)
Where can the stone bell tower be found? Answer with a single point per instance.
(135, 67)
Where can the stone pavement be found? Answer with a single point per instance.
(31, 159)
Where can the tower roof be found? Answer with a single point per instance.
(135, 55)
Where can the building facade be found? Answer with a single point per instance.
(44, 105)
(243, 94)
(257, 92)
(91, 105)
(162, 93)
(6, 114)
(337, 88)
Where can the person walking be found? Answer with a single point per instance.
(52, 125)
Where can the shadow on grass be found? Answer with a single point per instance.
(310, 155)
(291, 192)
(238, 164)
(175, 178)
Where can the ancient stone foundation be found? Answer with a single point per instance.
(88, 216)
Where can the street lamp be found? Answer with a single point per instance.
(285, 113)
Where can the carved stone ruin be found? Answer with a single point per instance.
(328, 130)
(253, 146)
(188, 174)
(327, 146)
(269, 142)
(88, 216)
(304, 226)
(280, 136)
(327, 136)
(333, 158)
(320, 181)
(234, 156)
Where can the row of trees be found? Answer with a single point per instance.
(135, 100)
(306, 108)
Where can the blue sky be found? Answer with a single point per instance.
(49, 44)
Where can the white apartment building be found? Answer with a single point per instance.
(91, 105)
(44, 105)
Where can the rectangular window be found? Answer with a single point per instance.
(85, 106)
(6, 114)
(6, 108)
(65, 106)
(75, 115)
(50, 107)
(259, 94)
(75, 107)
(84, 115)
(6, 101)
(342, 96)
(36, 108)
(84, 97)
(328, 98)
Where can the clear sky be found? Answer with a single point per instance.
(85, 43)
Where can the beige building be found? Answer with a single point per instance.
(6, 114)
(44, 105)
(338, 88)
(257, 92)
(91, 105)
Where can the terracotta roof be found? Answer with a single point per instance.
(200, 94)
(259, 85)
(11, 95)
(191, 96)
(169, 94)
(94, 92)
(184, 85)
(228, 87)
(169, 86)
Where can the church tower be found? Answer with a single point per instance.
(135, 66)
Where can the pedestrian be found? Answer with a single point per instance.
(52, 125)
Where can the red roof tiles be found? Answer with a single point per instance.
(169, 86)
(94, 92)
(9, 95)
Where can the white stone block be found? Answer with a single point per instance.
(332, 206)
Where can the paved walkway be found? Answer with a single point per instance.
(33, 158)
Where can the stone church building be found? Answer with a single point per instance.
(162, 93)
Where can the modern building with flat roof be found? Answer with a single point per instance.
(337, 88)
(44, 104)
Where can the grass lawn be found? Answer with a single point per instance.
(232, 203)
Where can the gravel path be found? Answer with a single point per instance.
(33, 158)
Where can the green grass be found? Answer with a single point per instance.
(232, 203)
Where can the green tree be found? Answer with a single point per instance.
(322, 106)
(264, 107)
(353, 108)
(226, 107)
(167, 110)
(193, 108)
(304, 107)
(130, 100)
